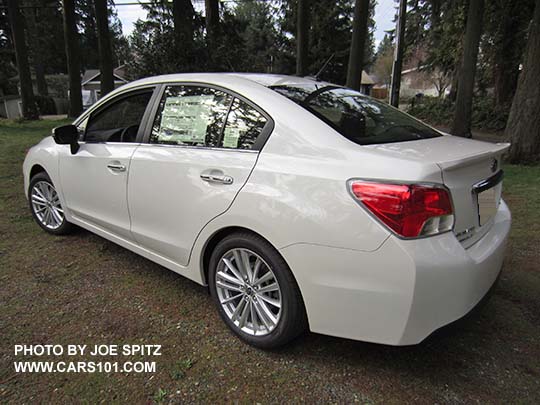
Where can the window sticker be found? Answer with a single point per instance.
(230, 137)
(185, 119)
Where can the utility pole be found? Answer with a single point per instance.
(302, 32)
(398, 54)
(29, 109)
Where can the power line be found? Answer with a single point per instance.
(137, 3)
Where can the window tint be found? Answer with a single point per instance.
(243, 127)
(191, 115)
(119, 121)
(360, 119)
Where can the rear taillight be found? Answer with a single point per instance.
(410, 210)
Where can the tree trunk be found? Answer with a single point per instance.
(359, 34)
(505, 75)
(523, 127)
(506, 60)
(41, 81)
(462, 116)
(212, 30)
(72, 56)
(302, 37)
(212, 18)
(105, 49)
(29, 108)
(36, 52)
(183, 19)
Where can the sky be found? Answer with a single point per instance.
(384, 14)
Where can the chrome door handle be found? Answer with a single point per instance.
(116, 167)
(217, 178)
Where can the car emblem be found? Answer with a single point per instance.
(493, 165)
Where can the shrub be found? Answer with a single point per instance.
(434, 110)
(439, 111)
(486, 115)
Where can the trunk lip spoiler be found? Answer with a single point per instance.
(463, 162)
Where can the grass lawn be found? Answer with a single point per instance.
(82, 289)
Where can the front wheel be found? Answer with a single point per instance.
(45, 205)
(255, 292)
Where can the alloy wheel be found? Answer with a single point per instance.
(46, 205)
(248, 292)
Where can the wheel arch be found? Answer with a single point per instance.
(218, 236)
(212, 242)
(36, 168)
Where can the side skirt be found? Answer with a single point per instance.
(140, 250)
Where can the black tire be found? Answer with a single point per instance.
(65, 227)
(293, 320)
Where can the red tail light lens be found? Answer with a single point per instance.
(410, 210)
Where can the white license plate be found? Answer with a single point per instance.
(488, 203)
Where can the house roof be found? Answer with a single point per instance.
(93, 75)
(89, 74)
(366, 79)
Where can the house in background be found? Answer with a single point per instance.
(57, 84)
(421, 80)
(91, 84)
(366, 83)
(10, 106)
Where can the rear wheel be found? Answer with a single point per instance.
(45, 205)
(255, 292)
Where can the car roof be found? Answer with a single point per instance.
(264, 79)
(241, 82)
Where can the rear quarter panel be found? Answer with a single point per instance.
(298, 192)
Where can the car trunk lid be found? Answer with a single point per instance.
(471, 171)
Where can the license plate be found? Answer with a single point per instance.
(488, 203)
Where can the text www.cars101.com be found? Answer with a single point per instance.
(84, 367)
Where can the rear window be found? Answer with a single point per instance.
(360, 119)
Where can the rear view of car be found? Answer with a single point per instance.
(439, 198)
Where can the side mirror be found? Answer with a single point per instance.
(67, 135)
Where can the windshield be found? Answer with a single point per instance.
(360, 119)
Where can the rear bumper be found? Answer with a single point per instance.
(403, 291)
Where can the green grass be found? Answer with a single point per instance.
(83, 289)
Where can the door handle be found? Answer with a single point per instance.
(116, 167)
(217, 178)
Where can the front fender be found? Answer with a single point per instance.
(44, 154)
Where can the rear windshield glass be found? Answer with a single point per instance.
(360, 119)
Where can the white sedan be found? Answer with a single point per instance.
(301, 204)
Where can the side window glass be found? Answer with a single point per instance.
(243, 127)
(118, 121)
(190, 115)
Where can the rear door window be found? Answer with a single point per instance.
(202, 116)
(191, 116)
(244, 126)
